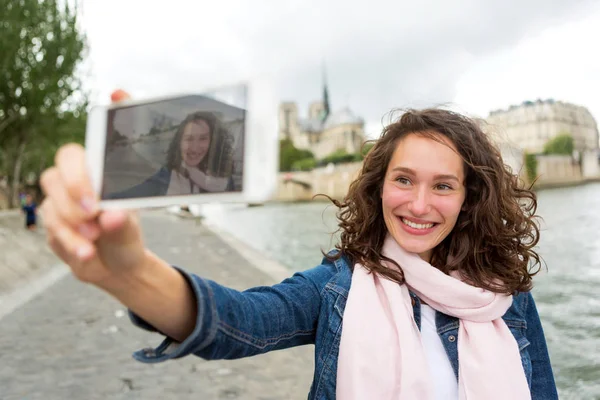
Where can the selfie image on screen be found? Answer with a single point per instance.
(180, 146)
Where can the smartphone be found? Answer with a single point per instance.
(181, 149)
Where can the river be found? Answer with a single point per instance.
(566, 291)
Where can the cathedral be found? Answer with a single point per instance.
(322, 131)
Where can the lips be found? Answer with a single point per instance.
(195, 156)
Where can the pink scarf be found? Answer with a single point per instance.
(381, 353)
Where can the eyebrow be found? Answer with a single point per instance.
(436, 177)
(188, 134)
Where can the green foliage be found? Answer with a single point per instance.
(530, 167)
(70, 128)
(366, 148)
(339, 156)
(289, 154)
(41, 102)
(293, 159)
(560, 144)
(306, 164)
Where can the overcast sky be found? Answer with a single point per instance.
(474, 55)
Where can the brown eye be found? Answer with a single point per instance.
(403, 180)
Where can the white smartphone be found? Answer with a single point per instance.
(180, 150)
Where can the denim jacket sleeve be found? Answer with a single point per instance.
(233, 324)
(543, 385)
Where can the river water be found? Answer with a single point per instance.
(566, 291)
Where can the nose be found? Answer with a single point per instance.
(196, 146)
(420, 203)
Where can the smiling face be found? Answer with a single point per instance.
(195, 142)
(423, 193)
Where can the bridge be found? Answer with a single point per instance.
(289, 178)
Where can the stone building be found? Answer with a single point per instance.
(322, 131)
(530, 125)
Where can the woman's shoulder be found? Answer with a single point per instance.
(518, 313)
(333, 273)
(163, 174)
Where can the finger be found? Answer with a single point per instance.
(56, 192)
(58, 249)
(119, 226)
(64, 240)
(119, 95)
(84, 270)
(90, 230)
(47, 179)
(113, 220)
(53, 243)
(72, 167)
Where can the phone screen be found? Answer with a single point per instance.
(178, 146)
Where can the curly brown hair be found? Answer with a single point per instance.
(492, 243)
(219, 160)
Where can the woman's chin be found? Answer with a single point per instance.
(415, 246)
(191, 164)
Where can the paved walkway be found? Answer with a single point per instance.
(23, 254)
(74, 342)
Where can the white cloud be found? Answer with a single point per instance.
(560, 62)
(379, 54)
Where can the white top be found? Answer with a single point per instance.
(445, 384)
(180, 185)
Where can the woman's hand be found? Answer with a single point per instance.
(101, 248)
(105, 248)
(207, 182)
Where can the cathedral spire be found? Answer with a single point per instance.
(325, 96)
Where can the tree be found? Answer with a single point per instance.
(560, 144)
(289, 154)
(338, 157)
(41, 101)
(306, 164)
(530, 161)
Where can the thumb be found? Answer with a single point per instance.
(119, 95)
(119, 227)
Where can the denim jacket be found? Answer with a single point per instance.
(308, 308)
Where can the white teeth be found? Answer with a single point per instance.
(416, 226)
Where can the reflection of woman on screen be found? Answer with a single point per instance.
(199, 160)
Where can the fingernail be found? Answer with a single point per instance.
(84, 252)
(88, 204)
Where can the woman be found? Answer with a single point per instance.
(425, 297)
(199, 160)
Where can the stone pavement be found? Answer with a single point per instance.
(74, 342)
(23, 254)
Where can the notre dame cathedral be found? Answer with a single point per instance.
(322, 131)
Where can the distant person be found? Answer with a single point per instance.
(199, 160)
(29, 208)
(427, 294)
